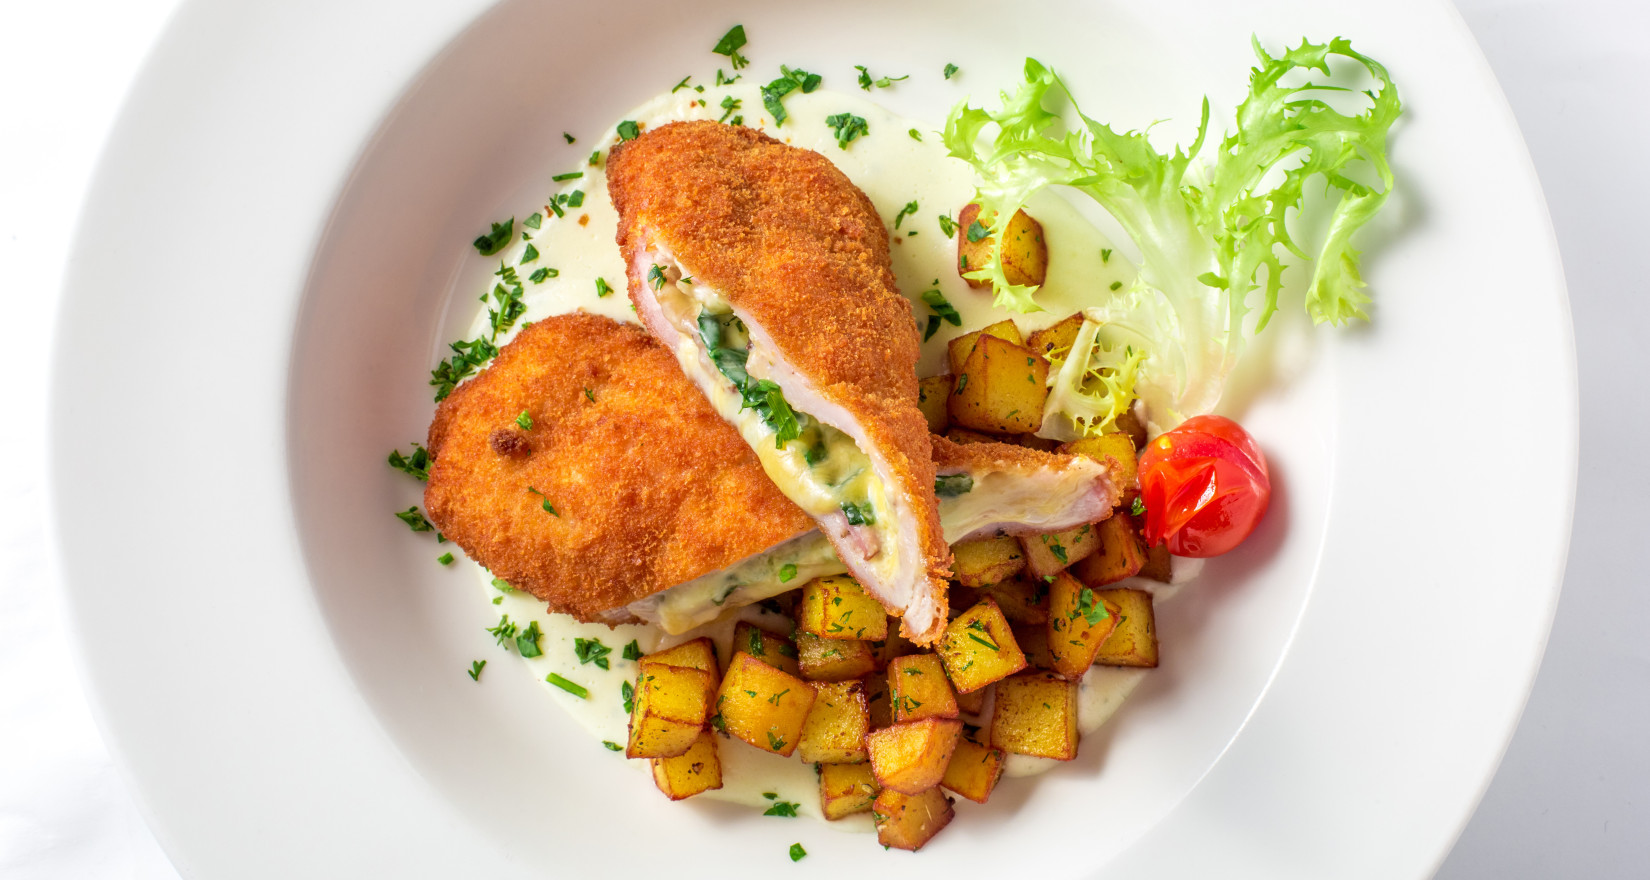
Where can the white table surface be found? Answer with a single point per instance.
(1572, 797)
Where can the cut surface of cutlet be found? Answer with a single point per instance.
(801, 256)
(976, 458)
(650, 486)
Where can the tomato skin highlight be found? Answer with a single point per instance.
(1205, 487)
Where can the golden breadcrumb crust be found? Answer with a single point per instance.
(637, 508)
(978, 457)
(800, 254)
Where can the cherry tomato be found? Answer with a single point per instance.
(1204, 485)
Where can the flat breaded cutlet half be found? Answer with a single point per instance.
(766, 272)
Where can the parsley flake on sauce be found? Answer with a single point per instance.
(951, 70)
(495, 240)
(848, 127)
(797, 852)
(591, 651)
(729, 46)
(577, 690)
(627, 132)
(790, 81)
(602, 287)
(866, 82)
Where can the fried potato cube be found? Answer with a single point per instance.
(1036, 714)
(986, 561)
(1034, 642)
(1001, 388)
(1050, 554)
(910, 757)
(978, 648)
(1079, 622)
(668, 709)
(974, 770)
(846, 789)
(837, 607)
(958, 350)
(834, 659)
(918, 688)
(876, 702)
(772, 649)
(931, 395)
(909, 821)
(837, 724)
(973, 702)
(699, 653)
(1119, 446)
(895, 645)
(1025, 253)
(1056, 339)
(1130, 424)
(963, 437)
(695, 771)
(1159, 565)
(1134, 641)
(1121, 553)
(1021, 600)
(763, 706)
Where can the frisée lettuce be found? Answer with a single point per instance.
(1209, 230)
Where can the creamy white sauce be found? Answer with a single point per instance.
(893, 169)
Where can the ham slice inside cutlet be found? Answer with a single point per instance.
(765, 271)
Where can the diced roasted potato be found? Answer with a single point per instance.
(973, 702)
(834, 659)
(1053, 553)
(1121, 553)
(1130, 424)
(985, 561)
(771, 648)
(763, 706)
(931, 395)
(1033, 641)
(699, 653)
(909, 821)
(837, 607)
(876, 701)
(910, 757)
(960, 348)
(1079, 622)
(1119, 446)
(1056, 339)
(963, 437)
(895, 645)
(1036, 714)
(918, 688)
(697, 770)
(1001, 388)
(1021, 600)
(1159, 564)
(978, 648)
(846, 789)
(974, 770)
(837, 724)
(668, 709)
(1134, 641)
(1025, 254)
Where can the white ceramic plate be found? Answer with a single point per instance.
(275, 250)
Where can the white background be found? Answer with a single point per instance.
(1570, 798)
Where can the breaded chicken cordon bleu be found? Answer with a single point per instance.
(623, 495)
(765, 271)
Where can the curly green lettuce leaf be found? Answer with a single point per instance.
(1211, 230)
(1092, 384)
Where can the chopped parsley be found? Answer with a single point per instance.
(848, 127)
(782, 808)
(774, 742)
(628, 694)
(866, 82)
(528, 255)
(1117, 285)
(1093, 611)
(612, 746)
(790, 81)
(797, 852)
(632, 651)
(948, 227)
(722, 78)
(942, 308)
(542, 273)
(952, 485)
(503, 585)
(415, 520)
(589, 395)
(915, 135)
(1139, 507)
(592, 651)
(545, 502)
(468, 356)
(1105, 255)
(977, 231)
(475, 669)
(910, 208)
(445, 559)
(681, 85)
(787, 572)
(656, 277)
(528, 641)
(525, 421)
(504, 630)
(577, 690)
(1054, 546)
(495, 240)
(730, 104)
(571, 175)
(595, 159)
(729, 46)
(602, 287)
(951, 70)
(627, 131)
(859, 514)
(416, 464)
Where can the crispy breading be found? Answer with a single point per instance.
(951, 457)
(801, 255)
(637, 509)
